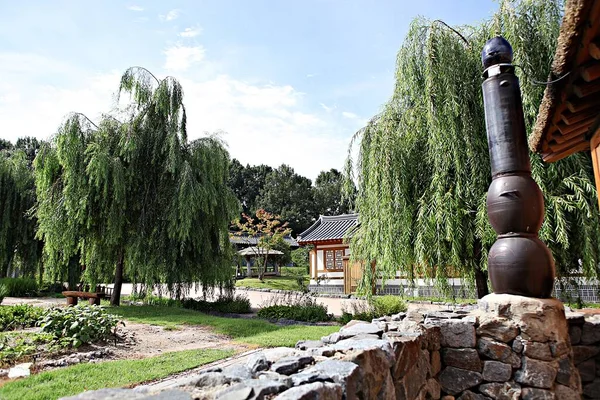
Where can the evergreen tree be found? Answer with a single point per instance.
(328, 193)
(423, 169)
(137, 195)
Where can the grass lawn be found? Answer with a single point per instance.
(246, 331)
(287, 280)
(72, 380)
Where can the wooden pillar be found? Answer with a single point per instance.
(595, 149)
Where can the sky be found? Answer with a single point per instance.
(282, 81)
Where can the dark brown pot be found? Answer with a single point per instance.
(521, 266)
(515, 204)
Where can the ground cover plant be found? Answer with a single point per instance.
(226, 304)
(19, 316)
(294, 307)
(16, 347)
(375, 307)
(249, 331)
(292, 278)
(68, 381)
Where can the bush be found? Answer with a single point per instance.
(79, 324)
(20, 287)
(19, 316)
(294, 306)
(228, 304)
(376, 307)
(3, 292)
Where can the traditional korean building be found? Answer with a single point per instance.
(329, 257)
(568, 121)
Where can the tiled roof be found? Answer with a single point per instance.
(329, 228)
(253, 240)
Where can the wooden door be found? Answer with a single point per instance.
(352, 275)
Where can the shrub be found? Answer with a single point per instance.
(227, 304)
(3, 292)
(79, 324)
(20, 287)
(376, 307)
(19, 316)
(294, 306)
(161, 301)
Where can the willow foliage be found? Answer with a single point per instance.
(137, 195)
(423, 165)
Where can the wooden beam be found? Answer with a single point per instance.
(566, 129)
(584, 89)
(555, 156)
(594, 48)
(591, 71)
(559, 147)
(572, 118)
(575, 104)
(558, 138)
(594, 149)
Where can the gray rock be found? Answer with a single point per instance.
(536, 373)
(399, 316)
(565, 393)
(277, 353)
(309, 344)
(129, 394)
(415, 316)
(518, 345)
(592, 390)
(236, 392)
(575, 334)
(303, 378)
(498, 351)
(539, 351)
(344, 373)
(291, 365)
(406, 352)
(331, 339)
(237, 372)
(358, 329)
(212, 379)
(313, 391)
(582, 353)
(590, 332)
(496, 371)
(501, 391)
(325, 351)
(559, 349)
(265, 387)
(432, 338)
(442, 315)
(501, 329)
(565, 370)
(274, 376)
(257, 362)
(574, 318)
(347, 345)
(537, 394)
(587, 370)
(455, 380)
(468, 395)
(462, 358)
(457, 333)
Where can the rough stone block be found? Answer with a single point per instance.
(501, 329)
(539, 351)
(358, 329)
(416, 375)
(406, 351)
(587, 370)
(590, 332)
(462, 358)
(559, 349)
(257, 362)
(456, 380)
(496, 371)
(501, 391)
(539, 374)
(518, 345)
(316, 390)
(468, 395)
(436, 363)
(375, 366)
(592, 390)
(565, 370)
(575, 334)
(537, 394)
(291, 365)
(457, 333)
(582, 353)
(309, 344)
(566, 393)
(344, 373)
(498, 351)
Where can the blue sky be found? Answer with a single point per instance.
(286, 81)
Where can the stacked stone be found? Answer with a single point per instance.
(585, 339)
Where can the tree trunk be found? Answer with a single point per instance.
(115, 299)
(480, 275)
(248, 267)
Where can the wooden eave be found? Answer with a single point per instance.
(570, 110)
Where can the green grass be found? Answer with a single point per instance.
(72, 380)
(242, 330)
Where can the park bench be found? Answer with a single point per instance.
(83, 292)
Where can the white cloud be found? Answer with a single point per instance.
(170, 16)
(327, 108)
(349, 115)
(311, 75)
(191, 32)
(135, 8)
(180, 58)
(263, 123)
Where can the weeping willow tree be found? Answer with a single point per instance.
(20, 252)
(423, 165)
(136, 197)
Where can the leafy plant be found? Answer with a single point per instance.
(19, 346)
(19, 316)
(20, 287)
(80, 324)
(227, 304)
(294, 306)
(387, 305)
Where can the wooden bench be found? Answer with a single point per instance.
(83, 292)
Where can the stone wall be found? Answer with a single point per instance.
(510, 348)
(585, 339)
